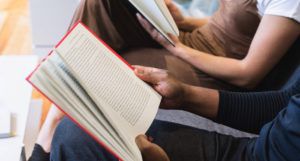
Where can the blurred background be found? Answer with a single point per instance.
(28, 31)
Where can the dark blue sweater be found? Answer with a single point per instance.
(251, 111)
(279, 140)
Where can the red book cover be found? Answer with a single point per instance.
(51, 52)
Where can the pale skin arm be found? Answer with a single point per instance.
(47, 131)
(274, 37)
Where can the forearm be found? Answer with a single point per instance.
(232, 71)
(243, 111)
(268, 46)
(201, 101)
(47, 131)
(46, 134)
(42, 148)
(250, 111)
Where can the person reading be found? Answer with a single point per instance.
(257, 112)
(234, 48)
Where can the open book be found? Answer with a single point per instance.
(157, 13)
(98, 90)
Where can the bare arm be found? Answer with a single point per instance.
(201, 101)
(47, 131)
(244, 111)
(274, 37)
(176, 95)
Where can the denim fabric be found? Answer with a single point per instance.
(182, 143)
(280, 139)
(70, 143)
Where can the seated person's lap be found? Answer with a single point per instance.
(180, 142)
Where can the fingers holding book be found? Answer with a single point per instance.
(174, 48)
(149, 150)
(172, 90)
(175, 12)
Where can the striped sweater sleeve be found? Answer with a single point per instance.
(250, 111)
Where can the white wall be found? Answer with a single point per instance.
(49, 21)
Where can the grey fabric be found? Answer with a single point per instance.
(189, 119)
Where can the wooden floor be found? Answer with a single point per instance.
(15, 34)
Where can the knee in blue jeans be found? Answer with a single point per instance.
(71, 143)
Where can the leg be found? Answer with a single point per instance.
(180, 142)
(115, 22)
(190, 144)
(70, 143)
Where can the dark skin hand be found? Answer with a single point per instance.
(175, 94)
(180, 96)
(171, 89)
(150, 151)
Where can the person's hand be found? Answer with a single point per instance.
(172, 90)
(183, 23)
(175, 12)
(177, 50)
(150, 151)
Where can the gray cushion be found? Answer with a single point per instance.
(192, 120)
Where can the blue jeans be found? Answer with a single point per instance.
(181, 143)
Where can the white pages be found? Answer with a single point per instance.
(99, 91)
(157, 13)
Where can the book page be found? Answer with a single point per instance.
(155, 13)
(128, 102)
(54, 80)
(165, 11)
